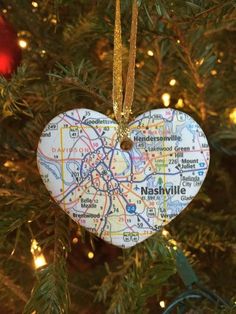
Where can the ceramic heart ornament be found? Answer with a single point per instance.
(123, 197)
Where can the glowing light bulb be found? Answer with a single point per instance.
(178, 41)
(34, 246)
(39, 259)
(180, 103)
(150, 53)
(22, 43)
(54, 20)
(165, 233)
(213, 72)
(34, 4)
(232, 116)
(75, 240)
(172, 82)
(8, 164)
(90, 255)
(166, 99)
(140, 64)
(172, 241)
(162, 304)
(201, 61)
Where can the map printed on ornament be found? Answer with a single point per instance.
(123, 197)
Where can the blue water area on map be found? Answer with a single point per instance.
(174, 207)
(131, 208)
(52, 167)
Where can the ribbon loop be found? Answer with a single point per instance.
(122, 109)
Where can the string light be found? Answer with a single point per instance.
(180, 103)
(172, 82)
(90, 255)
(75, 240)
(53, 20)
(201, 61)
(213, 72)
(8, 164)
(162, 304)
(150, 53)
(172, 241)
(232, 116)
(22, 43)
(39, 259)
(166, 99)
(139, 64)
(4, 11)
(34, 4)
(178, 41)
(43, 53)
(165, 233)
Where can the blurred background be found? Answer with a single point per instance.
(57, 55)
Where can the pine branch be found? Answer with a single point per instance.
(87, 89)
(9, 284)
(18, 210)
(83, 77)
(144, 269)
(51, 292)
(199, 82)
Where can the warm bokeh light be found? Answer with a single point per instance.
(232, 116)
(172, 82)
(22, 43)
(139, 64)
(199, 62)
(165, 233)
(150, 53)
(75, 240)
(173, 242)
(180, 103)
(213, 72)
(53, 20)
(166, 99)
(162, 304)
(90, 255)
(34, 4)
(8, 164)
(39, 259)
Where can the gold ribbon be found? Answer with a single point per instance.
(122, 109)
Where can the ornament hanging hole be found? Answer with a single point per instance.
(126, 144)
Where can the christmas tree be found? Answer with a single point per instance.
(185, 60)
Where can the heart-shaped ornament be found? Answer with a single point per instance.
(123, 196)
